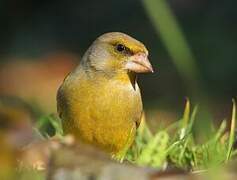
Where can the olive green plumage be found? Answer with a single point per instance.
(100, 101)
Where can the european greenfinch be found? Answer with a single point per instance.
(100, 101)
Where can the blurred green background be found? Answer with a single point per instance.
(192, 44)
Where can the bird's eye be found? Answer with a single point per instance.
(120, 47)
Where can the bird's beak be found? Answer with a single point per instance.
(139, 63)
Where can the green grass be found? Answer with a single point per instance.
(173, 146)
(176, 145)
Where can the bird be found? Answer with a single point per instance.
(100, 102)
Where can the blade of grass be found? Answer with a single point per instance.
(191, 121)
(220, 131)
(186, 114)
(55, 122)
(185, 119)
(232, 131)
(172, 36)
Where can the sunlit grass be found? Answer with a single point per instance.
(178, 148)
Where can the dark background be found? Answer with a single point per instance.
(31, 29)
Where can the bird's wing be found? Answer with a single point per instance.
(138, 121)
(60, 101)
(61, 97)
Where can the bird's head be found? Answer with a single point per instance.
(117, 52)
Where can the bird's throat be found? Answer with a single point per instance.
(128, 77)
(133, 79)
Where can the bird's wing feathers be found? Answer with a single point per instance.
(140, 119)
(60, 102)
(138, 122)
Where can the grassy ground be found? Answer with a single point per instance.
(173, 146)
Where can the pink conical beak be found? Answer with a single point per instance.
(139, 63)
